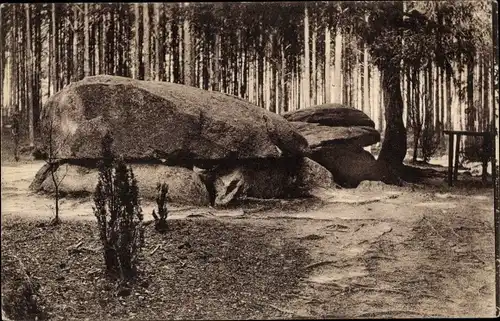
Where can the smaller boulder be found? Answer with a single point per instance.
(319, 136)
(185, 186)
(333, 115)
(282, 178)
(260, 179)
(312, 177)
(351, 164)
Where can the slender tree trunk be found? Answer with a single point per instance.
(337, 88)
(260, 72)
(14, 64)
(307, 73)
(282, 105)
(54, 56)
(441, 105)
(314, 69)
(2, 58)
(355, 83)
(158, 46)
(86, 57)
(366, 102)
(437, 100)
(216, 63)
(486, 95)
(206, 59)
(74, 76)
(449, 101)
(188, 53)
(29, 74)
(328, 80)
(470, 111)
(37, 71)
(145, 48)
(137, 50)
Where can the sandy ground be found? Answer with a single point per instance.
(379, 251)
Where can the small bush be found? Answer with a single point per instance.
(119, 215)
(161, 201)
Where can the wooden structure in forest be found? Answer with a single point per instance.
(453, 156)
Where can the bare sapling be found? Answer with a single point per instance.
(52, 160)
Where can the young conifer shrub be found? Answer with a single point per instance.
(161, 201)
(119, 215)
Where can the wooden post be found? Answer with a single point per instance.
(486, 155)
(457, 149)
(450, 159)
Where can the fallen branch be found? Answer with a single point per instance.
(31, 238)
(155, 249)
(435, 297)
(432, 227)
(382, 290)
(313, 265)
(76, 246)
(453, 231)
(375, 313)
(281, 310)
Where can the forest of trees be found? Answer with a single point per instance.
(412, 66)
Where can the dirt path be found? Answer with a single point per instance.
(378, 251)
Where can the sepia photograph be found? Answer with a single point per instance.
(249, 160)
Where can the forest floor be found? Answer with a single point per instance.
(375, 251)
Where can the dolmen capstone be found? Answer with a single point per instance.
(336, 135)
(209, 147)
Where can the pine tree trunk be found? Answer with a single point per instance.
(54, 56)
(14, 65)
(449, 101)
(314, 69)
(437, 100)
(470, 111)
(337, 87)
(283, 101)
(260, 73)
(354, 82)
(441, 105)
(74, 76)
(146, 49)
(394, 145)
(271, 72)
(86, 58)
(29, 75)
(137, 50)
(328, 80)
(216, 64)
(2, 58)
(486, 95)
(206, 59)
(307, 73)
(158, 51)
(37, 72)
(366, 106)
(188, 53)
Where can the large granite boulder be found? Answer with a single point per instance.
(351, 164)
(333, 115)
(318, 136)
(271, 179)
(146, 119)
(185, 186)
